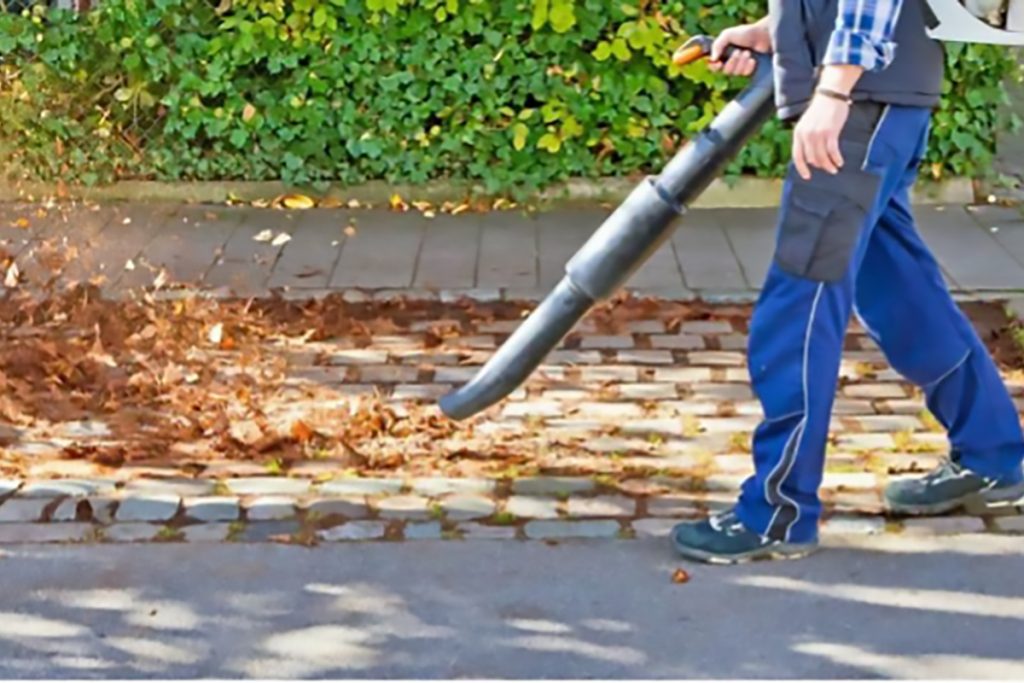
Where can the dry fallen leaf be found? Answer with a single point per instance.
(129, 265)
(248, 112)
(264, 236)
(461, 208)
(350, 230)
(12, 276)
(21, 223)
(160, 280)
(354, 204)
(680, 576)
(216, 334)
(301, 431)
(398, 204)
(330, 203)
(297, 201)
(246, 432)
(281, 240)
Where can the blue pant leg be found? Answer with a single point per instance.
(926, 338)
(795, 348)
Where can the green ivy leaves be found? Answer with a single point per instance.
(512, 94)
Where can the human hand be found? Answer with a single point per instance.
(756, 37)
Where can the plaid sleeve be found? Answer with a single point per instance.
(863, 34)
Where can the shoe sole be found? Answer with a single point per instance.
(782, 551)
(976, 502)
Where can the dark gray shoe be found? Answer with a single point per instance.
(948, 487)
(722, 539)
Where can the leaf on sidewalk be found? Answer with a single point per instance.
(296, 201)
(12, 277)
(680, 576)
(264, 236)
(281, 240)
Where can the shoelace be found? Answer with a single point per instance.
(947, 469)
(727, 521)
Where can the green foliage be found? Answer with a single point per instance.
(512, 93)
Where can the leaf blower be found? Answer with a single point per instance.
(627, 238)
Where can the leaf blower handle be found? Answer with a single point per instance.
(699, 47)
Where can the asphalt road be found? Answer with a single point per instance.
(887, 607)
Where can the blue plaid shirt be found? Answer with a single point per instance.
(863, 34)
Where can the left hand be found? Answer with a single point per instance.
(816, 136)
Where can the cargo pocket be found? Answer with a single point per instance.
(821, 222)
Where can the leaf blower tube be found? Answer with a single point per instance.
(623, 243)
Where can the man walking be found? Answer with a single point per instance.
(859, 78)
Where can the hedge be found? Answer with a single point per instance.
(510, 93)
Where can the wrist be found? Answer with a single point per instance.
(840, 78)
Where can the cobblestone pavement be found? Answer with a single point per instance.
(628, 431)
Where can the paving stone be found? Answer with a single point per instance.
(873, 391)
(734, 342)
(729, 425)
(572, 357)
(213, 508)
(566, 395)
(903, 406)
(359, 357)
(403, 507)
(9, 486)
(716, 358)
(705, 327)
(44, 533)
(388, 374)
(846, 406)
(720, 392)
(685, 375)
(230, 469)
(131, 532)
(481, 294)
(269, 508)
(455, 375)
(552, 485)
(609, 409)
(353, 507)
(23, 510)
(260, 486)
(862, 502)
(473, 531)
(261, 532)
(601, 506)
(532, 409)
(645, 357)
(887, 423)
(65, 487)
(685, 342)
(654, 528)
(614, 444)
(148, 507)
(679, 505)
(864, 442)
(648, 391)
(351, 486)
(424, 531)
(609, 373)
(858, 526)
(354, 531)
(440, 486)
(1011, 524)
(532, 507)
(420, 392)
(571, 425)
(468, 506)
(215, 532)
(737, 375)
(542, 529)
(183, 486)
(944, 526)
(618, 341)
(683, 408)
(500, 326)
(849, 480)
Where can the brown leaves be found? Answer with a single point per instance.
(680, 576)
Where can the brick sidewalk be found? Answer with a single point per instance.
(621, 433)
(715, 254)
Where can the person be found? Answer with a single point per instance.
(857, 80)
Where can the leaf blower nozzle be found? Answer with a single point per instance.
(624, 242)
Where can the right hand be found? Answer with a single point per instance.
(756, 37)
